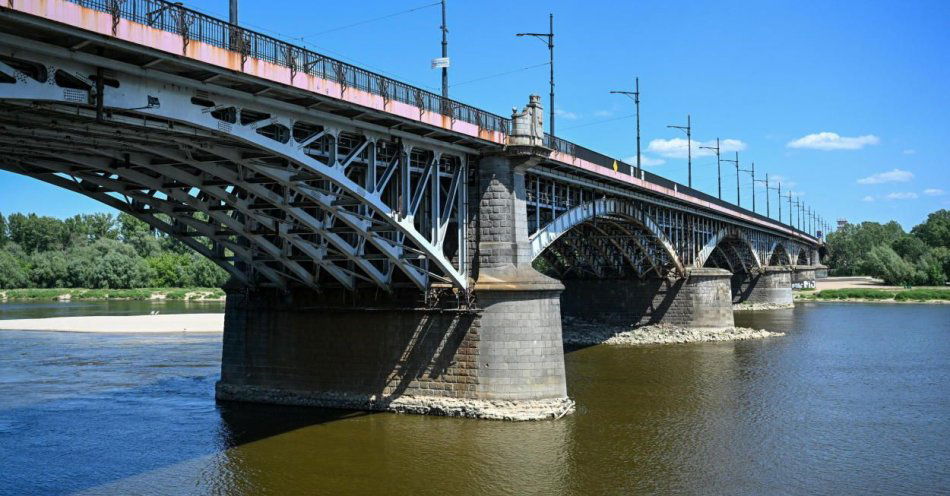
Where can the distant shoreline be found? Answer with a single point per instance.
(137, 294)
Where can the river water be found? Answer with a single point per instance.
(855, 399)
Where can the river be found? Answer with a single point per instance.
(855, 399)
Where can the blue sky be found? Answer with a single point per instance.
(846, 101)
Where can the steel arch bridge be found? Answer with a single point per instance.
(284, 187)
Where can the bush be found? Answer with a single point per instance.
(855, 293)
(882, 261)
(13, 274)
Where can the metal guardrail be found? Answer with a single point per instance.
(196, 26)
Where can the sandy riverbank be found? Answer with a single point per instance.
(190, 322)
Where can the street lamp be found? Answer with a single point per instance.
(688, 129)
(635, 95)
(718, 164)
(736, 163)
(549, 36)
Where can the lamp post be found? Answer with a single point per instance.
(635, 95)
(688, 129)
(718, 164)
(767, 188)
(736, 163)
(549, 36)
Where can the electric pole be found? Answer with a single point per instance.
(445, 54)
(718, 165)
(752, 171)
(766, 182)
(736, 163)
(688, 129)
(635, 95)
(549, 36)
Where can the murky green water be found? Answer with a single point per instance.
(855, 400)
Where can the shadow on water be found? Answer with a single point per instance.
(243, 423)
(80, 412)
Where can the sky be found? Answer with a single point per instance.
(843, 102)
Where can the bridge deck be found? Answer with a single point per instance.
(175, 39)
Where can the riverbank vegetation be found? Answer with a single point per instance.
(868, 294)
(98, 251)
(190, 294)
(920, 257)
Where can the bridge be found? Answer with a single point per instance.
(388, 248)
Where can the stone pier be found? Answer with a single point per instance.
(803, 277)
(701, 299)
(821, 271)
(501, 357)
(393, 353)
(768, 288)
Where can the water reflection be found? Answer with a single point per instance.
(852, 400)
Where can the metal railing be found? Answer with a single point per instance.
(196, 26)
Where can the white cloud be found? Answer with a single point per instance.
(892, 176)
(644, 160)
(676, 147)
(902, 195)
(571, 116)
(868, 198)
(603, 113)
(909, 151)
(650, 161)
(833, 141)
(933, 191)
(787, 183)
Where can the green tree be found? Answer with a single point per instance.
(935, 231)
(932, 267)
(3, 230)
(910, 247)
(50, 269)
(882, 261)
(86, 228)
(849, 247)
(13, 273)
(108, 263)
(34, 233)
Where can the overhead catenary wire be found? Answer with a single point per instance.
(367, 21)
(501, 74)
(601, 121)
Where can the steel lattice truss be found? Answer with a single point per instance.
(580, 229)
(273, 195)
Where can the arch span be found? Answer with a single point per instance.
(628, 224)
(280, 195)
(735, 247)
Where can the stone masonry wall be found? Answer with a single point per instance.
(772, 287)
(368, 357)
(701, 300)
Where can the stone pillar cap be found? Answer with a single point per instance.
(513, 278)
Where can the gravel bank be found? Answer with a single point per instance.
(762, 306)
(578, 332)
(427, 405)
(191, 322)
